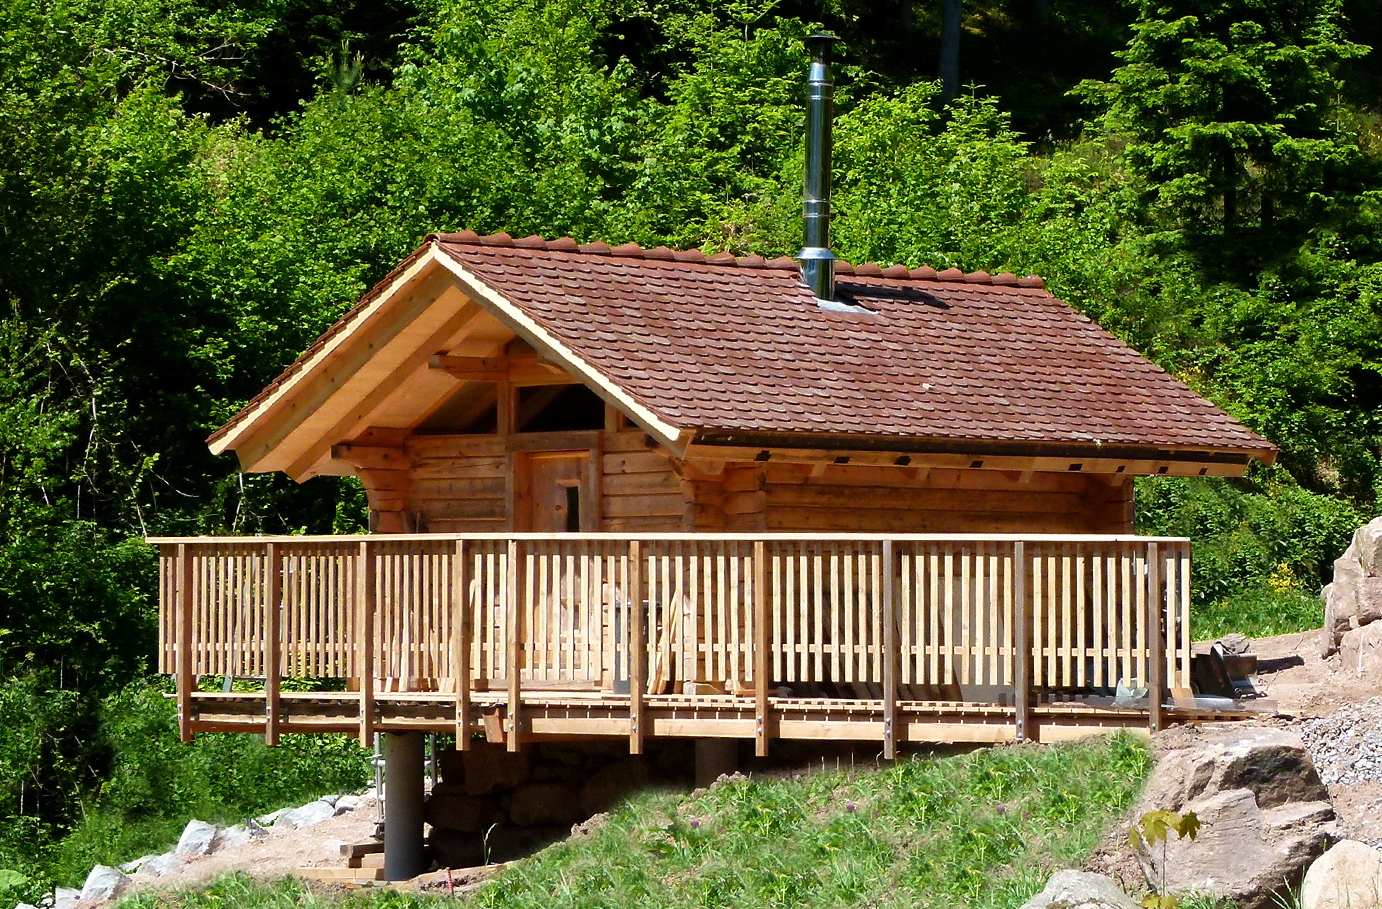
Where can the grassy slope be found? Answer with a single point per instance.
(980, 830)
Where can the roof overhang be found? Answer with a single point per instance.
(1091, 457)
(380, 351)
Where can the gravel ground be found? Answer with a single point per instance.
(1347, 744)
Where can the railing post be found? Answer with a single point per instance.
(365, 580)
(638, 647)
(513, 722)
(184, 626)
(760, 647)
(1022, 645)
(273, 659)
(891, 655)
(1156, 642)
(460, 644)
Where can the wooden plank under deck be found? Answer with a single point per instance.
(573, 715)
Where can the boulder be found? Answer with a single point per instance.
(25, 906)
(66, 897)
(544, 805)
(1353, 599)
(349, 803)
(1081, 890)
(1367, 546)
(448, 810)
(456, 848)
(509, 843)
(131, 867)
(1243, 852)
(1272, 763)
(268, 820)
(307, 816)
(1360, 649)
(613, 783)
(1348, 876)
(492, 768)
(198, 838)
(104, 883)
(234, 837)
(1264, 815)
(451, 765)
(159, 865)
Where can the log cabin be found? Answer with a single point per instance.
(655, 493)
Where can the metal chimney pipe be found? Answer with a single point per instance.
(817, 261)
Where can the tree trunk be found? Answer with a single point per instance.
(1044, 11)
(949, 70)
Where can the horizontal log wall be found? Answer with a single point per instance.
(841, 498)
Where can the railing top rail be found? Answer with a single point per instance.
(678, 537)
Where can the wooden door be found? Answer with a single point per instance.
(559, 493)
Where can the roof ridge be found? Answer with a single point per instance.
(663, 253)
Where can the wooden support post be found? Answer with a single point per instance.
(365, 579)
(638, 648)
(512, 721)
(761, 657)
(891, 655)
(1022, 645)
(1156, 642)
(460, 645)
(183, 611)
(273, 657)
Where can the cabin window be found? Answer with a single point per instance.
(559, 408)
(472, 410)
(573, 509)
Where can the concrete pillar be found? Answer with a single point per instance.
(715, 757)
(402, 805)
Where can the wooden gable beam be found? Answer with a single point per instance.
(371, 457)
(517, 371)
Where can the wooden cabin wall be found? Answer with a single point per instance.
(460, 484)
(804, 498)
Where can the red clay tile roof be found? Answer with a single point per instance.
(730, 345)
(716, 343)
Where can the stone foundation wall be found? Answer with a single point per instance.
(491, 804)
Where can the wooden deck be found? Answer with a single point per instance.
(773, 636)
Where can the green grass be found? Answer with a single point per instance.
(1258, 613)
(980, 830)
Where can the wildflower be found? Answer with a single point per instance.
(850, 806)
(694, 823)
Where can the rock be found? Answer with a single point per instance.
(1367, 547)
(66, 897)
(349, 803)
(198, 838)
(1273, 763)
(1360, 649)
(167, 863)
(491, 768)
(307, 816)
(457, 849)
(234, 837)
(451, 765)
(613, 783)
(1080, 890)
(461, 812)
(1243, 852)
(268, 820)
(1348, 876)
(25, 906)
(1264, 815)
(329, 799)
(544, 805)
(104, 883)
(509, 843)
(133, 866)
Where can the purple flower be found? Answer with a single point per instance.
(850, 806)
(1002, 809)
(694, 823)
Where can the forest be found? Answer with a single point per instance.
(190, 191)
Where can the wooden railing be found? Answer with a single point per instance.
(960, 618)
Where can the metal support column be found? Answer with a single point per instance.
(403, 857)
